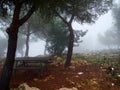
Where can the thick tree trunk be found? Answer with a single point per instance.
(12, 44)
(70, 47)
(8, 66)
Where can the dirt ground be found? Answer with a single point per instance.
(83, 76)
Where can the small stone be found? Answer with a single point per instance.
(113, 84)
(35, 79)
(73, 88)
(118, 75)
(80, 73)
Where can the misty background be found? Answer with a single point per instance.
(90, 40)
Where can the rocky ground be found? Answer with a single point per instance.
(80, 75)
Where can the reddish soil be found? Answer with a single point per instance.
(90, 77)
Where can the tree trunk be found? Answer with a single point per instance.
(27, 41)
(70, 47)
(8, 66)
(22, 53)
(12, 44)
(45, 47)
(27, 47)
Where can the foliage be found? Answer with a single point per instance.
(33, 25)
(86, 11)
(57, 38)
(116, 14)
(77, 36)
(39, 26)
(110, 38)
(83, 13)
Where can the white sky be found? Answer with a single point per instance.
(90, 41)
(37, 48)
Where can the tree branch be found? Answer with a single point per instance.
(24, 33)
(27, 16)
(1, 3)
(71, 19)
(61, 17)
(33, 32)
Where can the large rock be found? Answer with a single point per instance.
(24, 86)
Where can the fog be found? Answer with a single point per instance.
(37, 48)
(90, 40)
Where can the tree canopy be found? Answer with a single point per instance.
(57, 39)
(83, 11)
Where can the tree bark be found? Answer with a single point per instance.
(70, 47)
(12, 32)
(12, 44)
(8, 66)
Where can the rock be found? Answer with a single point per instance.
(72, 67)
(24, 86)
(73, 88)
(59, 59)
(80, 73)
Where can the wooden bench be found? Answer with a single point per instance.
(31, 63)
